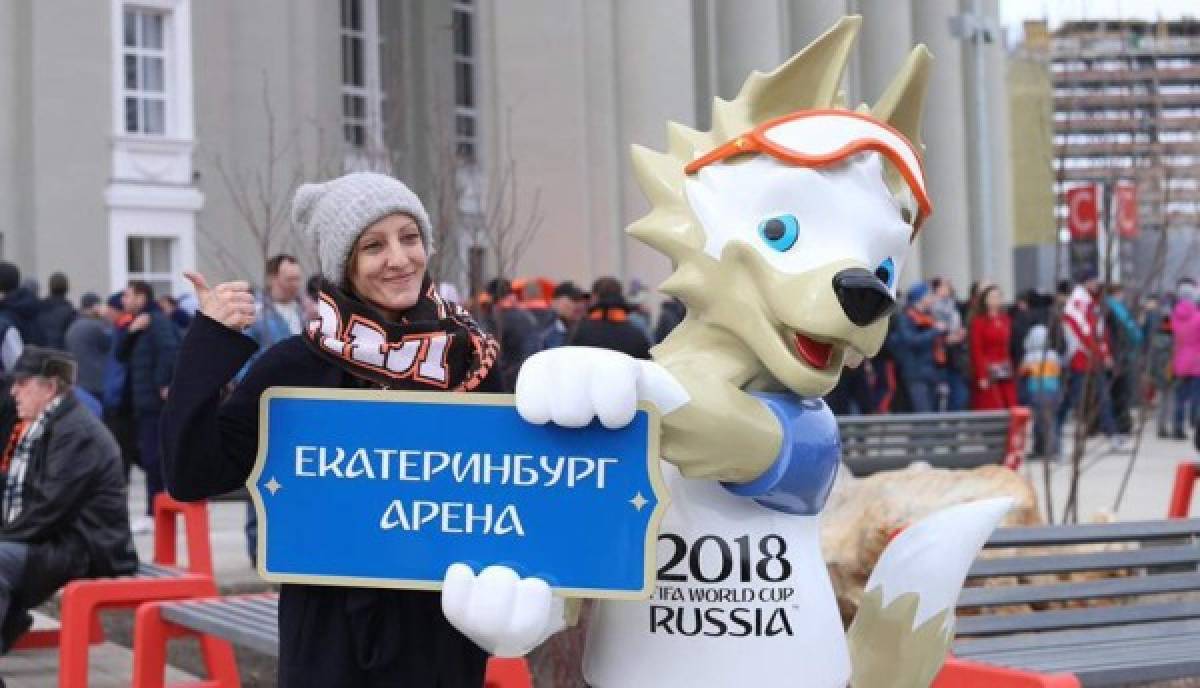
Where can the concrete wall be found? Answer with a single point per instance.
(70, 100)
(258, 65)
(15, 133)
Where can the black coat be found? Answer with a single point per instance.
(150, 356)
(55, 314)
(329, 637)
(608, 327)
(75, 512)
(19, 308)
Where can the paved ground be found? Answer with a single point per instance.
(1149, 487)
(1146, 497)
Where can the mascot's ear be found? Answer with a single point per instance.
(807, 81)
(902, 105)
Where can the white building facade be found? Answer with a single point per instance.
(142, 137)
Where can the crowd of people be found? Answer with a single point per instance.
(1046, 352)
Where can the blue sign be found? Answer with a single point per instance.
(387, 489)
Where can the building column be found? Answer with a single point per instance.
(884, 43)
(990, 190)
(656, 82)
(945, 249)
(809, 19)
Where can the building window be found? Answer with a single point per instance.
(466, 113)
(151, 259)
(144, 57)
(361, 91)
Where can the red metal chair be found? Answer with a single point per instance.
(960, 673)
(83, 600)
(1181, 491)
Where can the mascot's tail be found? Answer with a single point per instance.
(905, 622)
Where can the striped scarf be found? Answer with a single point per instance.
(436, 346)
(16, 461)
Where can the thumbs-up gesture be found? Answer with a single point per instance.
(229, 303)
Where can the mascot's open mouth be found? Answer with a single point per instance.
(816, 354)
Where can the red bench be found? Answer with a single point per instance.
(249, 621)
(162, 579)
(1181, 491)
(960, 673)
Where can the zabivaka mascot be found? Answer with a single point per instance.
(787, 225)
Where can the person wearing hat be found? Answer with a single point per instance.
(372, 237)
(568, 305)
(56, 312)
(63, 508)
(917, 343)
(608, 326)
(515, 327)
(89, 339)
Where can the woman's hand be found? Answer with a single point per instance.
(229, 303)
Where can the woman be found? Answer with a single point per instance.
(372, 238)
(991, 357)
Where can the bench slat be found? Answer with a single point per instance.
(248, 621)
(860, 466)
(1091, 561)
(996, 645)
(864, 433)
(1099, 657)
(1113, 587)
(947, 417)
(1094, 533)
(151, 570)
(1062, 619)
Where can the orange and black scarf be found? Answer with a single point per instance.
(926, 321)
(435, 346)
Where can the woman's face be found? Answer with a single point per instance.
(387, 264)
(994, 300)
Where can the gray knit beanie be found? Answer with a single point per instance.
(332, 215)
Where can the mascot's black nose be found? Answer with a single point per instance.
(863, 297)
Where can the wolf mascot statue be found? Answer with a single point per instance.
(787, 224)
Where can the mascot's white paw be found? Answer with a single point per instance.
(501, 612)
(571, 385)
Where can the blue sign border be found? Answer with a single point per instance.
(653, 463)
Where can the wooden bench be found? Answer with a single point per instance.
(1145, 628)
(966, 439)
(160, 579)
(249, 621)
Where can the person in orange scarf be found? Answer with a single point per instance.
(918, 345)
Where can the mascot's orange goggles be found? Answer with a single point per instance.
(814, 138)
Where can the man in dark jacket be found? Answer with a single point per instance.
(89, 339)
(63, 509)
(607, 325)
(567, 307)
(149, 350)
(917, 344)
(18, 316)
(55, 312)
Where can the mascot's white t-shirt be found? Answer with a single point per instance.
(743, 598)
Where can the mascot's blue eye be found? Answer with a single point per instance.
(886, 272)
(780, 232)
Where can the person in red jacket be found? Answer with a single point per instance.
(991, 360)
